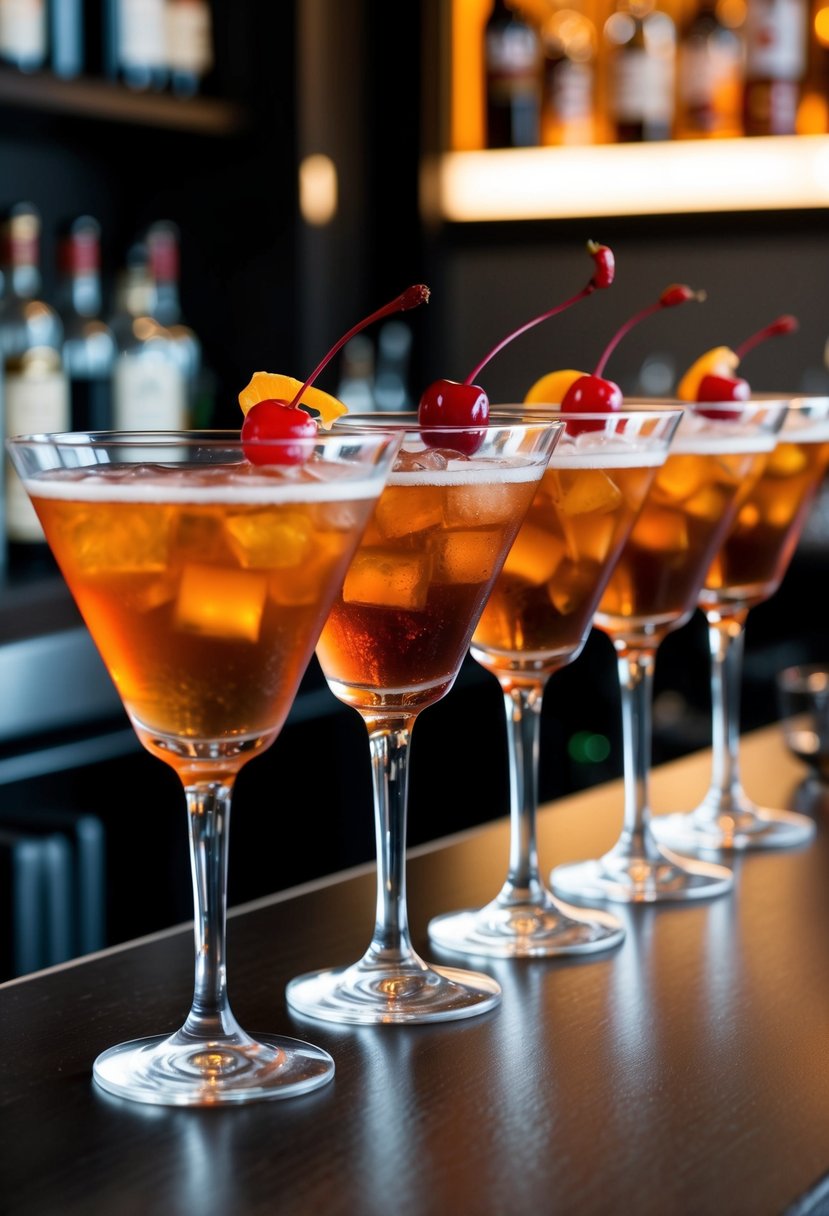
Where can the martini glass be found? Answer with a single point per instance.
(536, 621)
(204, 581)
(715, 456)
(748, 568)
(392, 645)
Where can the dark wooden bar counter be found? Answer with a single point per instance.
(685, 1073)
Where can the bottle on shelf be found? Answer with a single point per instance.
(67, 38)
(89, 344)
(775, 64)
(568, 88)
(355, 387)
(391, 378)
(189, 37)
(639, 45)
(24, 41)
(163, 245)
(149, 391)
(709, 75)
(136, 43)
(34, 388)
(512, 79)
(813, 107)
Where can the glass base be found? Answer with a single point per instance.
(662, 877)
(527, 929)
(178, 1070)
(403, 992)
(747, 827)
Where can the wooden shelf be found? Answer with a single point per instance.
(735, 175)
(97, 99)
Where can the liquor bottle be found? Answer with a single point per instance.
(136, 43)
(148, 385)
(775, 40)
(709, 77)
(189, 35)
(813, 108)
(391, 378)
(640, 48)
(163, 248)
(34, 389)
(355, 387)
(88, 345)
(568, 90)
(512, 66)
(23, 34)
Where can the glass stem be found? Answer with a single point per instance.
(389, 745)
(208, 808)
(522, 704)
(636, 668)
(726, 637)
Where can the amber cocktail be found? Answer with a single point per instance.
(537, 620)
(393, 644)
(747, 570)
(204, 581)
(716, 456)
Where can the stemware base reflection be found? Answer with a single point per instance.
(181, 1070)
(744, 826)
(369, 994)
(526, 929)
(664, 876)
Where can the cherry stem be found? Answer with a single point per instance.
(783, 325)
(585, 291)
(671, 296)
(410, 298)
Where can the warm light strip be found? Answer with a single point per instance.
(758, 174)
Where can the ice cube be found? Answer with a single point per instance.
(573, 584)
(681, 476)
(662, 531)
(786, 460)
(406, 510)
(478, 505)
(466, 557)
(408, 461)
(535, 554)
(585, 491)
(263, 540)
(133, 540)
(386, 578)
(220, 603)
(307, 583)
(152, 593)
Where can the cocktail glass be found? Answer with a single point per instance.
(653, 590)
(204, 580)
(392, 645)
(536, 621)
(748, 568)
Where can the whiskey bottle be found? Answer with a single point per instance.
(512, 66)
(639, 42)
(775, 41)
(568, 91)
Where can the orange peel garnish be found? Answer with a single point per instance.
(268, 386)
(720, 361)
(550, 389)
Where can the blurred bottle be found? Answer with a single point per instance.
(568, 91)
(813, 108)
(710, 75)
(639, 42)
(356, 384)
(149, 389)
(512, 68)
(391, 378)
(23, 34)
(163, 248)
(34, 389)
(136, 43)
(189, 36)
(775, 41)
(89, 344)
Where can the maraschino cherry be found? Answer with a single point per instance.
(734, 388)
(448, 403)
(274, 418)
(594, 393)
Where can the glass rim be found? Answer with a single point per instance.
(217, 438)
(408, 420)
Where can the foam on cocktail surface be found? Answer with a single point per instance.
(241, 485)
(468, 473)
